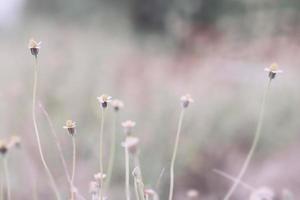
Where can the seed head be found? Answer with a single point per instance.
(70, 126)
(273, 70)
(131, 143)
(34, 47)
(3, 147)
(186, 100)
(104, 99)
(263, 193)
(128, 126)
(117, 104)
(192, 193)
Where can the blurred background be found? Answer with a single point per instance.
(148, 53)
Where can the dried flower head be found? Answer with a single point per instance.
(15, 141)
(34, 47)
(263, 193)
(128, 126)
(104, 99)
(70, 126)
(131, 143)
(192, 193)
(117, 104)
(186, 100)
(3, 147)
(273, 70)
(99, 176)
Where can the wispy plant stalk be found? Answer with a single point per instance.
(112, 151)
(6, 173)
(101, 152)
(73, 166)
(127, 180)
(50, 176)
(175, 153)
(254, 143)
(61, 155)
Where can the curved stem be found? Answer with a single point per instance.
(6, 172)
(73, 166)
(174, 154)
(127, 183)
(140, 182)
(50, 176)
(112, 151)
(254, 144)
(101, 153)
(137, 195)
(61, 155)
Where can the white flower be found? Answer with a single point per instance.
(70, 126)
(128, 125)
(186, 100)
(104, 99)
(273, 70)
(117, 104)
(99, 176)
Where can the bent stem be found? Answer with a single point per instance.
(229, 177)
(6, 173)
(112, 151)
(101, 153)
(50, 176)
(62, 158)
(127, 183)
(254, 144)
(73, 167)
(174, 154)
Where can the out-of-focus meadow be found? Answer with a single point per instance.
(148, 53)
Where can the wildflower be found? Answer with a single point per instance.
(34, 47)
(104, 100)
(192, 193)
(263, 193)
(70, 126)
(273, 70)
(117, 104)
(131, 143)
(15, 141)
(128, 125)
(3, 147)
(186, 100)
(99, 176)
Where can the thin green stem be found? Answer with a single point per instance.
(127, 181)
(73, 167)
(50, 176)
(101, 152)
(254, 144)
(112, 151)
(6, 173)
(175, 153)
(61, 155)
